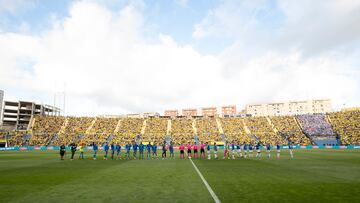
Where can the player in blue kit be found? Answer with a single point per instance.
(208, 150)
(238, 149)
(245, 148)
(291, 147)
(278, 148)
(95, 149)
(128, 148)
(148, 151)
(112, 149)
(268, 148)
(250, 147)
(141, 151)
(118, 151)
(135, 148)
(258, 151)
(171, 149)
(233, 146)
(154, 151)
(215, 150)
(106, 150)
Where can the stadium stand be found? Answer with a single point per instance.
(347, 125)
(182, 130)
(74, 129)
(155, 130)
(102, 129)
(288, 126)
(315, 125)
(234, 129)
(128, 130)
(45, 127)
(16, 138)
(300, 129)
(207, 130)
(3, 135)
(261, 130)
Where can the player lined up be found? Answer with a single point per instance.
(231, 150)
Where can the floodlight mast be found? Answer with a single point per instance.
(64, 99)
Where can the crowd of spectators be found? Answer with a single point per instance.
(315, 125)
(3, 135)
(234, 129)
(156, 129)
(16, 138)
(75, 127)
(45, 127)
(182, 130)
(102, 129)
(287, 126)
(129, 129)
(347, 125)
(207, 129)
(261, 129)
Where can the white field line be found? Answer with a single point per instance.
(212, 193)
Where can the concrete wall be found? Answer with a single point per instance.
(1, 105)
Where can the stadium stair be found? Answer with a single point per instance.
(272, 125)
(221, 131)
(91, 125)
(194, 126)
(328, 119)
(31, 124)
(109, 138)
(168, 130)
(117, 127)
(247, 131)
(54, 137)
(63, 127)
(301, 128)
(143, 128)
(254, 137)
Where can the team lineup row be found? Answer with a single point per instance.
(149, 151)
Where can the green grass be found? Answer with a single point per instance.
(316, 175)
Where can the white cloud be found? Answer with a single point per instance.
(14, 6)
(182, 3)
(109, 67)
(314, 27)
(230, 19)
(290, 51)
(321, 26)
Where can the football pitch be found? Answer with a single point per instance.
(314, 175)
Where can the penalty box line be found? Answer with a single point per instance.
(212, 193)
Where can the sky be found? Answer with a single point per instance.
(130, 56)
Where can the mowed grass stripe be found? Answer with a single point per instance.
(100, 181)
(213, 195)
(317, 175)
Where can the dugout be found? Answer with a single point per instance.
(2, 143)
